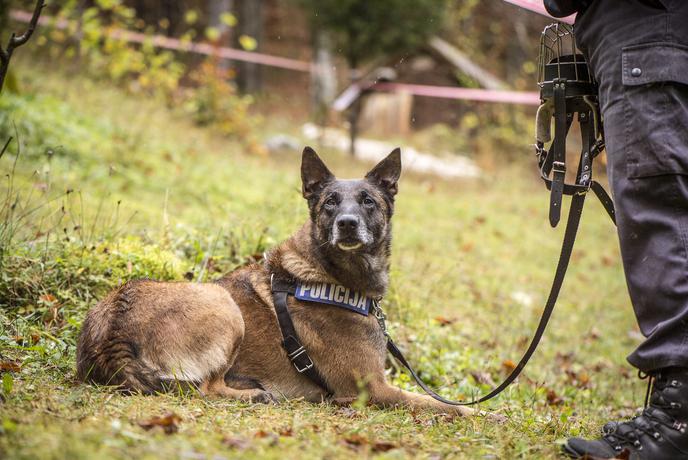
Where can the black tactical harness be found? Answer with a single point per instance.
(566, 90)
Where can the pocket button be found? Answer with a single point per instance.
(636, 72)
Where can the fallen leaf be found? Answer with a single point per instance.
(168, 422)
(553, 399)
(355, 441)
(579, 379)
(623, 455)
(274, 439)
(48, 298)
(236, 443)
(509, 365)
(594, 334)
(445, 321)
(286, 432)
(10, 366)
(383, 446)
(608, 260)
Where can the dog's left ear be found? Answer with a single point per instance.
(314, 173)
(386, 173)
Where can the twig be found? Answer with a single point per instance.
(2, 152)
(17, 41)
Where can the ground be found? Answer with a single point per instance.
(111, 186)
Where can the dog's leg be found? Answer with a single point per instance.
(385, 395)
(217, 387)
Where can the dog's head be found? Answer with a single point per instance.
(350, 216)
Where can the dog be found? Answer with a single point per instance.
(224, 338)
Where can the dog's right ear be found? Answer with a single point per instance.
(314, 173)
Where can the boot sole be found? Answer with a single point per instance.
(570, 452)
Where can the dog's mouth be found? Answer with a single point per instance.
(349, 246)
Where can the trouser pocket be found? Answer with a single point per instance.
(655, 80)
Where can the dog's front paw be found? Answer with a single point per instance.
(263, 397)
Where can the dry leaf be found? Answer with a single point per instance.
(48, 298)
(553, 399)
(236, 443)
(383, 446)
(274, 439)
(286, 432)
(168, 422)
(355, 441)
(10, 366)
(509, 365)
(623, 455)
(445, 321)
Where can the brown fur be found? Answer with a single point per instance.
(146, 332)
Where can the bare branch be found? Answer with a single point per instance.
(16, 41)
(23, 38)
(2, 152)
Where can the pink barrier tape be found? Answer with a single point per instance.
(161, 41)
(538, 6)
(472, 94)
(448, 92)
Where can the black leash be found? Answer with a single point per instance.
(566, 250)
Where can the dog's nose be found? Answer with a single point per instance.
(347, 222)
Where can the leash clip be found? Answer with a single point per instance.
(380, 316)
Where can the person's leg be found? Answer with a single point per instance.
(646, 132)
(638, 52)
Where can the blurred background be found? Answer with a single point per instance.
(230, 63)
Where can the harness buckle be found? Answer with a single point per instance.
(559, 166)
(295, 354)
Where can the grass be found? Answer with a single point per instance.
(118, 187)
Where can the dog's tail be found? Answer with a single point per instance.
(105, 353)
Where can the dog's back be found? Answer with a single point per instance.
(146, 333)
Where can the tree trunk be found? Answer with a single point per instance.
(215, 10)
(324, 79)
(250, 18)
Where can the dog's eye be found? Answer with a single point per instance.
(331, 202)
(368, 202)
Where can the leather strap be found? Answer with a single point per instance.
(575, 213)
(295, 351)
(559, 154)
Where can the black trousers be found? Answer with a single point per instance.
(638, 52)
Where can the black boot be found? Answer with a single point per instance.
(659, 433)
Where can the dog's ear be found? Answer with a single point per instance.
(314, 173)
(386, 173)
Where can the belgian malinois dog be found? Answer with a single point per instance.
(224, 337)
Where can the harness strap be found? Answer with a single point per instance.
(295, 351)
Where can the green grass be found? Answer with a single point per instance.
(152, 195)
